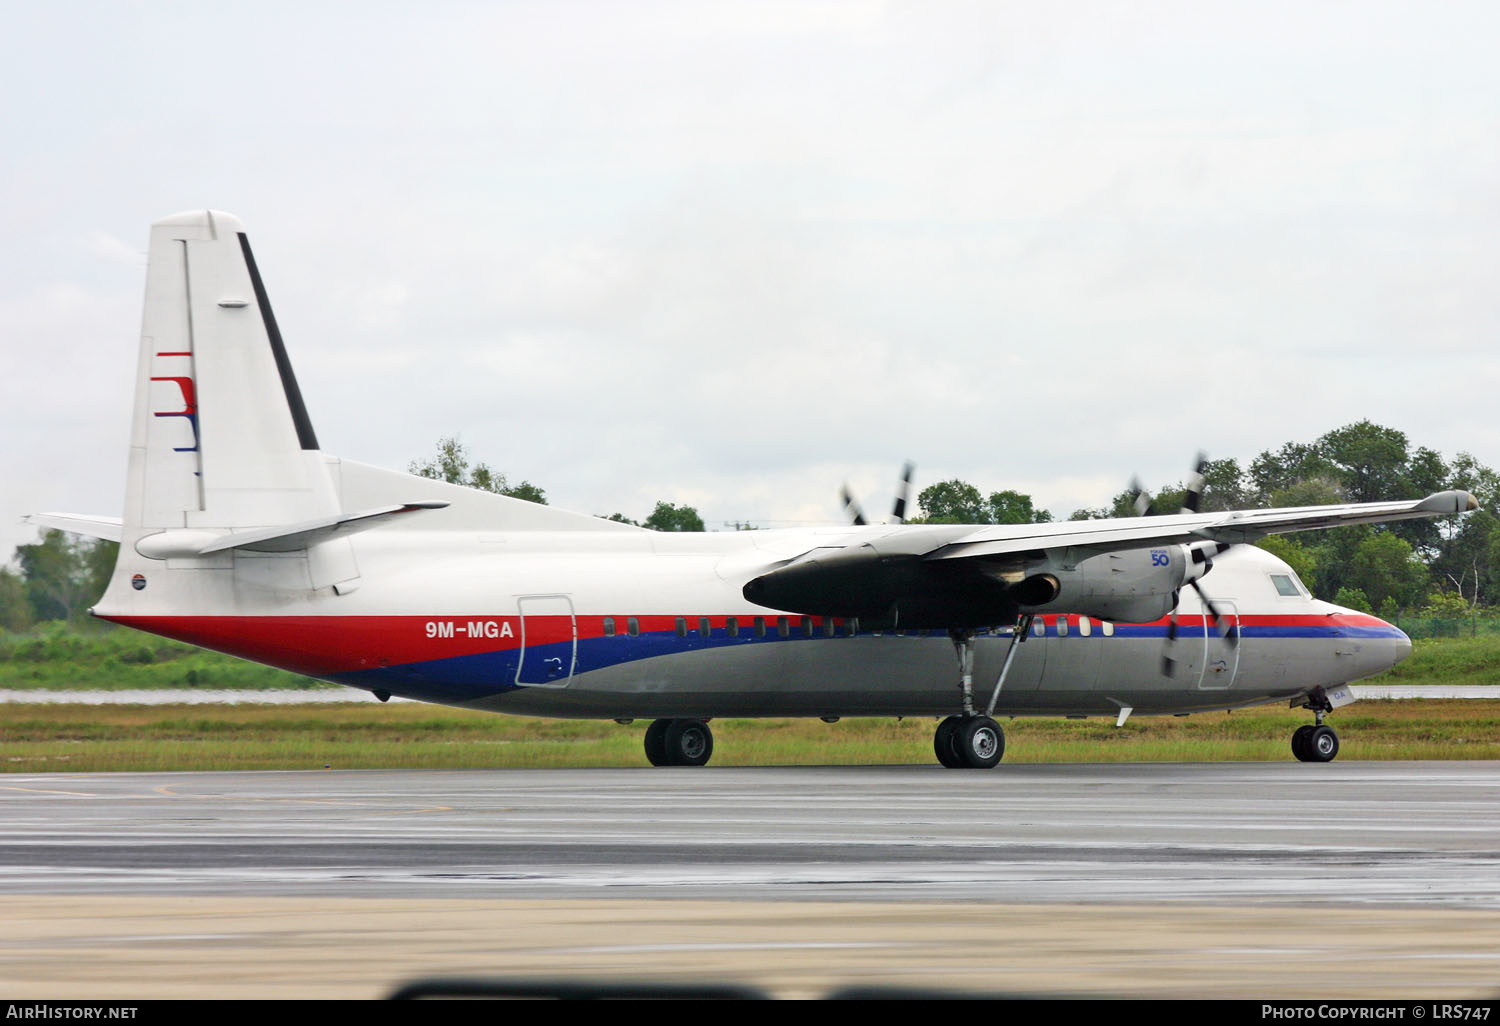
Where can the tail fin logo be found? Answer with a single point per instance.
(189, 405)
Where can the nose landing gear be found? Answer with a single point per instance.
(1316, 742)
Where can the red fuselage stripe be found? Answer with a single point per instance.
(322, 645)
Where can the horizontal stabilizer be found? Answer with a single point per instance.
(108, 528)
(299, 536)
(283, 538)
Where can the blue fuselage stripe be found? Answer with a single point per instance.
(467, 677)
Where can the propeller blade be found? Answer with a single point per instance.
(1141, 498)
(898, 514)
(1168, 664)
(851, 508)
(1232, 635)
(1193, 500)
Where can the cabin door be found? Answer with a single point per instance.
(1221, 657)
(549, 641)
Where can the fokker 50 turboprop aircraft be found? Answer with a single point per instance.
(240, 534)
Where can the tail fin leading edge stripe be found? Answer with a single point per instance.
(305, 436)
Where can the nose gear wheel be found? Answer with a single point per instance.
(1315, 743)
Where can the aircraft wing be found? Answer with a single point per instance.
(1126, 569)
(1232, 528)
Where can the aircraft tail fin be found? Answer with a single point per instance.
(221, 438)
(222, 452)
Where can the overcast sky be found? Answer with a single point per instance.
(736, 254)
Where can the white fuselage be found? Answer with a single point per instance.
(639, 624)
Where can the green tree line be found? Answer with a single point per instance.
(451, 464)
(59, 578)
(1444, 567)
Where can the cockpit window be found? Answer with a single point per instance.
(1286, 585)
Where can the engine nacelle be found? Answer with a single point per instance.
(1129, 585)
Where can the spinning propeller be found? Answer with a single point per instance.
(1141, 498)
(898, 513)
(1203, 554)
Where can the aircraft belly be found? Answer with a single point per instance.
(561, 664)
(879, 676)
(865, 676)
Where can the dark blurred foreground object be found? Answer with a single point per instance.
(620, 990)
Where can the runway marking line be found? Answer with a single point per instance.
(166, 790)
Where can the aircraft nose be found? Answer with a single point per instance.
(1383, 647)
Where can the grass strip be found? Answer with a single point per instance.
(91, 738)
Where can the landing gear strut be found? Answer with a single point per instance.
(1316, 742)
(970, 740)
(679, 742)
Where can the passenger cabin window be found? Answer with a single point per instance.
(851, 626)
(1285, 586)
(807, 630)
(732, 626)
(633, 626)
(681, 627)
(704, 628)
(783, 627)
(1062, 626)
(1084, 627)
(760, 626)
(1108, 628)
(1038, 628)
(609, 626)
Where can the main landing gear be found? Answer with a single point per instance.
(679, 742)
(971, 740)
(1316, 742)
